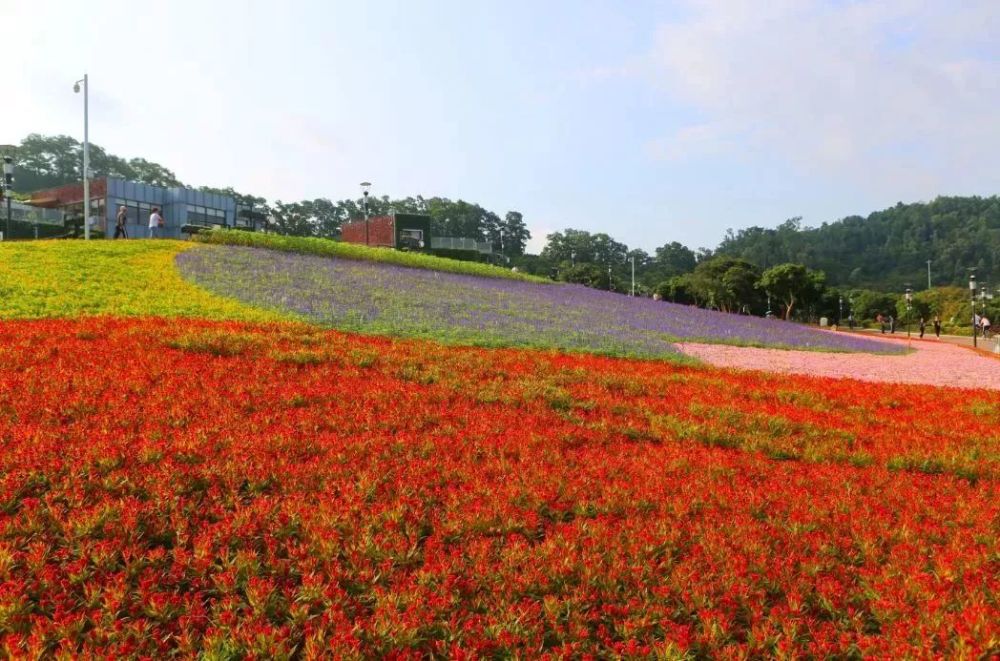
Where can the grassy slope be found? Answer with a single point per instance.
(129, 278)
(327, 248)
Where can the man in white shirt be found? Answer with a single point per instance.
(155, 223)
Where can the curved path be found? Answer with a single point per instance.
(932, 362)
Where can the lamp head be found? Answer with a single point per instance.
(76, 87)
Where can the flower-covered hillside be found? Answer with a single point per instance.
(382, 298)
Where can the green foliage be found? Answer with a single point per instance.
(889, 248)
(46, 161)
(327, 248)
(671, 259)
(725, 283)
(677, 290)
(792, 284)
(867, 304)
(578, 246)
(592, 276)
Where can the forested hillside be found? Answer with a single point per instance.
(889, 248)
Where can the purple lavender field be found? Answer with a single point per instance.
(372, 297)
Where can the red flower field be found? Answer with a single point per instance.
(179, 487)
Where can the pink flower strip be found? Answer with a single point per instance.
(932, 363)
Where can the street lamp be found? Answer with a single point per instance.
(365, 187)
(909, 304)
(972, 292)
(840, 311)
(8, 184)
(86, 152)
(633, 275)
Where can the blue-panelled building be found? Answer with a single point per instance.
(178, 206)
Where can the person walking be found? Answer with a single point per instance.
(880, 320)
(155, 223)
(937, 326)
(892, 324)
(923, 326)
(850, 320)
(985, 322)
(120, 220)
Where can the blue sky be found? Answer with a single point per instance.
(652, 121)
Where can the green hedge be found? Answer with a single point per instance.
(328, 248)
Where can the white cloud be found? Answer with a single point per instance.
(693, 140)
(889, 95)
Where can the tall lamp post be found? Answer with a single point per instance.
(909, 306)
(86, 153)
(972, 292)
(365, 187)
(8, 184)
(633, 276)
(840, 311)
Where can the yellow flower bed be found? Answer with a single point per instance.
(125, 278)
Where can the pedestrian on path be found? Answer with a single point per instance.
(120, 221)
(155, 223)
(892, 324)
(923, 325)
(880, 320)
(937, 326)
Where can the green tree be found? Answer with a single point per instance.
(725, 283)
(672, 259)
(150, 173)
(293, 218)
(792, 284)
(516, 234)
(579, 246)
(677, 290)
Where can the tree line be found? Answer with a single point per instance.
(888, 249)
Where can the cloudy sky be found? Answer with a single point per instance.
(652, 121)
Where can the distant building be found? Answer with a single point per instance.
(410, 232)
(397, 230)
(178, 206)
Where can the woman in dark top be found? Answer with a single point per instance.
(120, 221)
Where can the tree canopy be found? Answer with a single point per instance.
(889, 248)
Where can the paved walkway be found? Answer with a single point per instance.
(932, 362)
(989, 345)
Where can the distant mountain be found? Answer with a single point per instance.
(889, 248)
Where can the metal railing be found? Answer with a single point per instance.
(460, 243)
